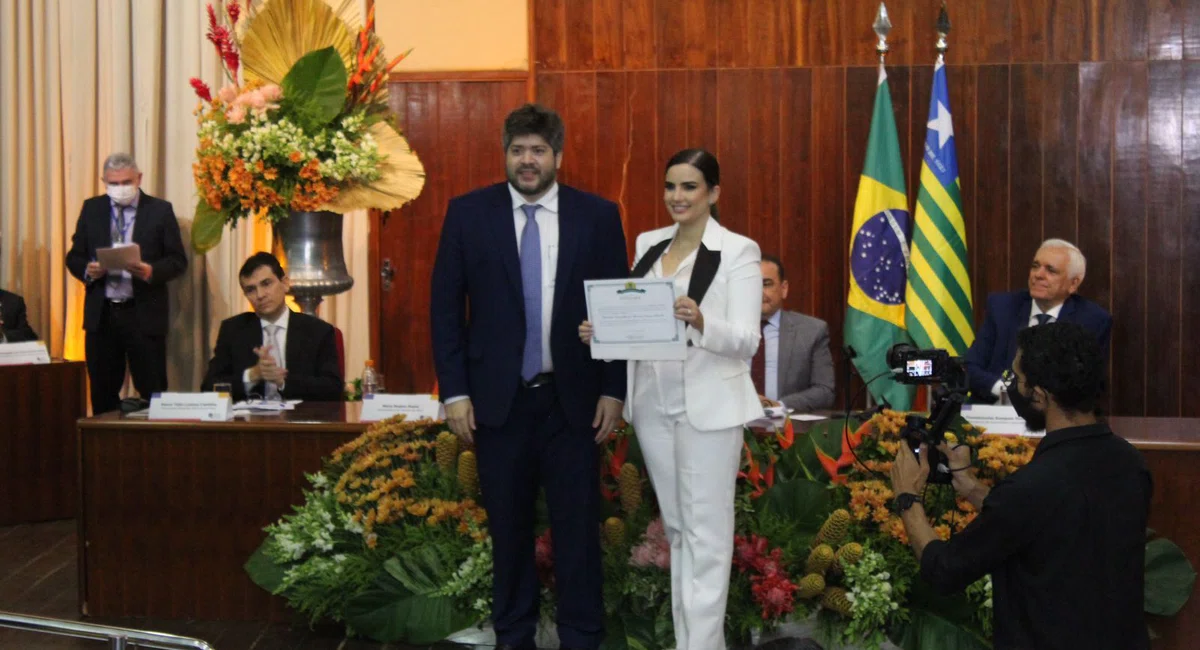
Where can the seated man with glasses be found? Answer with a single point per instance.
(1063, 537)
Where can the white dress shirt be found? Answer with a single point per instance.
(771, 356)
(280, 354)
(659, 384)
(547, 221)
(1034, 312)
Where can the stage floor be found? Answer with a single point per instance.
(39, 575)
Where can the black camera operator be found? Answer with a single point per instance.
(1063, 537)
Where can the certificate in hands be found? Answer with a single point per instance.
(634, 320)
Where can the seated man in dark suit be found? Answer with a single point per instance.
(793, 364)
(1054, 277)
(274, 352)
(14, 328)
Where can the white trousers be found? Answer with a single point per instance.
(694, 474)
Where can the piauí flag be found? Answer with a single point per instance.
(939, 286)
(879, 256)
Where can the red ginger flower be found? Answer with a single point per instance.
(202, 90)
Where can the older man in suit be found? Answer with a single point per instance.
(1054, 277)
(14, 326)
(272, 351)
(793, 364)
(516, 378)
(125, 310)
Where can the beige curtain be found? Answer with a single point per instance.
(80, 80)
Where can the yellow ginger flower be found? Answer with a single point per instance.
(835, 600)
(833, 531)
(810, 586)
(468, 474)
(631, 488)
(447, 451)
(614, 531)
(819, 559)
(849, 554)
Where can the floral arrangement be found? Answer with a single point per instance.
(391, 542)
(302, 123)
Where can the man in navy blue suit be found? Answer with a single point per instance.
(515, 377)
(1054, 277)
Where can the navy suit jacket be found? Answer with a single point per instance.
(477, 351)
(995, 344)
(156, 232)
(12, 314)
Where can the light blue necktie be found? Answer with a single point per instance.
(531, 283)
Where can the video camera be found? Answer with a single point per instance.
(948, 375)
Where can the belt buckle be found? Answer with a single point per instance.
(539, 380)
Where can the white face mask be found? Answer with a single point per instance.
(122, 194)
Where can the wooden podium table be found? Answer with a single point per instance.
(172, 510)
(39, 405)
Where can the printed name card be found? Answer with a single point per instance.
(205, 407)
(381, 406)
(25, 353)
(998, 419)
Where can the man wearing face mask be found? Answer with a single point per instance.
(1063, 537)
(125, 310)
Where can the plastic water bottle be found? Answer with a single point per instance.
(370, 379)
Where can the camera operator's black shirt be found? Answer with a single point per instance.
(1064, 540)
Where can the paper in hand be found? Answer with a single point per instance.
(119, 258)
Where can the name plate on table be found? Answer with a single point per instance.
(205, 407)
(998, 419)
(382, 406)
(25, 353)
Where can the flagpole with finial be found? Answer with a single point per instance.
(943, 30)
(882, 26)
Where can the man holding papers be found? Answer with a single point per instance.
(273, 352)
(125, 311)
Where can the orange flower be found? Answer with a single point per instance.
(295, 156)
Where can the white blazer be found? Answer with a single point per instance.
(717, 387)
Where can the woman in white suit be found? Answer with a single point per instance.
(688, 415)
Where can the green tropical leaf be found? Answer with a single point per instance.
(388, 612)
(263, 571)
(926, 630)
(314, 90)
(421, 571)
(1169, 578)
(801, 501)
(207, 227)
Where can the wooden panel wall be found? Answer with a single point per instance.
(1073, 118)
(453, 121)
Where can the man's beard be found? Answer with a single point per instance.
(544, 181)
(1035, 420)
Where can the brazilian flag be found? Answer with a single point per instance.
(939, 285)
(879, 256)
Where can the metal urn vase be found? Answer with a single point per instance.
(309, 245)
